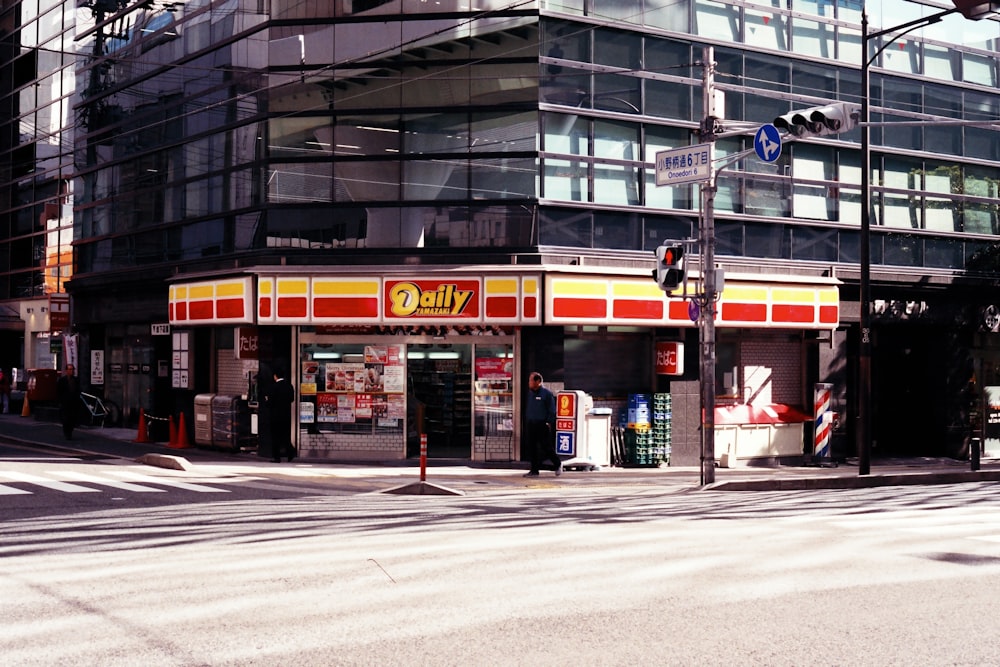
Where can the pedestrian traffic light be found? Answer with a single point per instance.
(669, 271)
(976, 9)
(818, 121)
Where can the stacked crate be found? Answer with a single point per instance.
(638, 435)
(661, 427)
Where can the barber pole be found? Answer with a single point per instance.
(824, 420)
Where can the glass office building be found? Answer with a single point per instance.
(311, 157)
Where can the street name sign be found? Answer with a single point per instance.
(689, 164)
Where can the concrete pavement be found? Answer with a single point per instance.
(97, 442)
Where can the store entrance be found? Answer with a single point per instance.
(439, 399)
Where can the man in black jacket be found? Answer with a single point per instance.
(279, 402)
(68, 396)
(540, 413)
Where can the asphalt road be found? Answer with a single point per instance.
(539, 576)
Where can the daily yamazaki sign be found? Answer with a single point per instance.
(432, 299)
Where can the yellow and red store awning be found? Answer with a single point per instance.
(572, 299)
(517, 299)
(223, 301)
(401, 300)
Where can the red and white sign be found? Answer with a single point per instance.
(58, 313)
(669, 358)
(247, 343)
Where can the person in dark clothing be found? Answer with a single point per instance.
(68, 396)
(541, 417)
(280, 400)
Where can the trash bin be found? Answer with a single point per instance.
(203, 419)
(597, 447)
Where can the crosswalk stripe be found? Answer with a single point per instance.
(166, 481)
(103, 481)
(11, 491)
(47, 483)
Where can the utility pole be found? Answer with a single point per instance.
(706, 321)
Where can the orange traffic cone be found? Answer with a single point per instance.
(182, 435)
(25, 408)
(143, 435)
(173, 433)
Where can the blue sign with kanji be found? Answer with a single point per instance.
(566, 443)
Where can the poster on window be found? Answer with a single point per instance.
(345, 409)
(393, 381)
(494, 368)
(374, 374)
(345, 377)
(363, 406)
(326, 408)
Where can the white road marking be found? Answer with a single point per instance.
(47, 483)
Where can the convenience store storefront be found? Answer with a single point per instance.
(380, 359)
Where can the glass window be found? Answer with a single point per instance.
(299, 182)
(717, 21)
(618, 231)
(944, 253)
(812, 243)
(491, 178)
(678, 196)
(428, 134)
(849, 46)
(615, 92)
(769, 241)
(941, 62)
(615, 140)
(903, 250)
(567, 180)
(616, 184)
(503, 132)
(573, 228)
(372, 180)
(494, 392)
(766, 29)
(435, 179)
(565, 41)
(668, 99)
(345, 388)
(503, 84)
(617, 48)
(814, 80)
(667, 228)
(812, 38)
(566, 133)
(673, 15)
(902, 56)
(979, 69)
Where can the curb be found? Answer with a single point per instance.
(858, 482)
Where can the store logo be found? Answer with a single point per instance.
(409, 300)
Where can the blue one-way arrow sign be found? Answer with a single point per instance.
(767, 143)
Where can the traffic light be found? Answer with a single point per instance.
(976, 9)
(669, 271)
(818, 121)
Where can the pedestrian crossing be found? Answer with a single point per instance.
(14, 482)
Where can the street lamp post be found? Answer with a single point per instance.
(864, 426)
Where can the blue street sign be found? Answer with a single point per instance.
(767, 143)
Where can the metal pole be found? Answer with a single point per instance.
(864, 431)
(706, 329)
(864, 426)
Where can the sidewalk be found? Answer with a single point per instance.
(96, 442)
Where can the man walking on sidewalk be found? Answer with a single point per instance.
(541, 417)
(68, 395)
